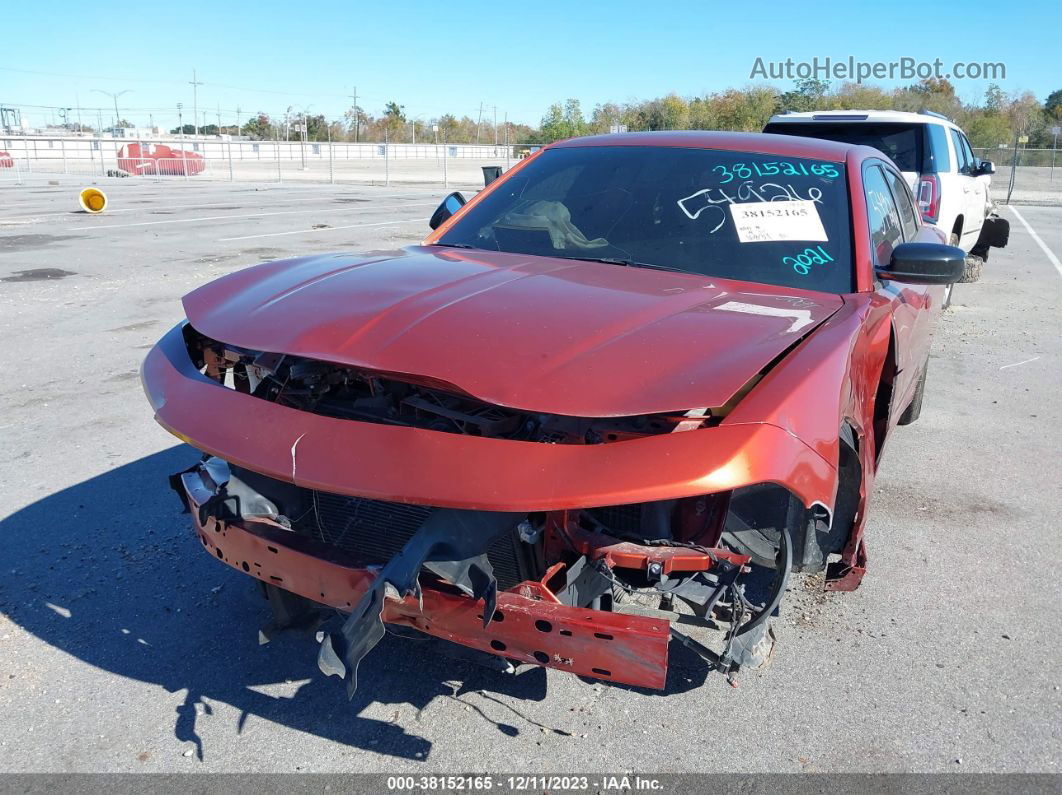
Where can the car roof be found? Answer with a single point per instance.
(857, 116)
(761, 143)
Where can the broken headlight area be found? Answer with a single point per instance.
(349, 393)
(598, 592)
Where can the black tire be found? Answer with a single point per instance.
(914, 408)
(980, 250)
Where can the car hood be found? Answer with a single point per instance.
(550, 335)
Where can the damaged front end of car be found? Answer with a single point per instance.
(575, 543)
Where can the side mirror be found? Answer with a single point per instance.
(985, 168)
(450, 205)
(925, 263)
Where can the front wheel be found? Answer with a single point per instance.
(914, 408)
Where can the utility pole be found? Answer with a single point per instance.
(495, 125)
(357, 113)
(238, 122)
(77, 101)
(219, 118)
(305, 132)
(180, 120)
(479, 120)
(114, 96)
(1054, 150)
(195, 103)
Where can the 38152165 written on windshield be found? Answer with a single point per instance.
(738, 215)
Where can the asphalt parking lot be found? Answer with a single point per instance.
(125, 648)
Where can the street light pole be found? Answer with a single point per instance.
(305, 133)
(357, 115)
(114, 96)
(195, 103)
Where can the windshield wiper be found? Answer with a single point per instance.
(629, 263)
(454, 245)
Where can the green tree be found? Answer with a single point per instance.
(564, 121)
(935, 94)
(394, 119)
(259, 128)
(988, 130)
(851, 96)
(552, 126)
(746, 110)
(995, 99)
(808, 95)
(448, 127)
(1053, 105)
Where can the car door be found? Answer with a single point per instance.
(973, 191)
(908, 301)
(927, 300)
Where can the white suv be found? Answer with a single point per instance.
(949, 182)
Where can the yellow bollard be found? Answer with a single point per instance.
(92, 200)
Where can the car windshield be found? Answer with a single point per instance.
(737, 215)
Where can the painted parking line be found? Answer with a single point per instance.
(1050, 254)
(94, 228)
(325, 199)
(325, 229)
(146, 208)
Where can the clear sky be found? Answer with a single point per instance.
(437, 57)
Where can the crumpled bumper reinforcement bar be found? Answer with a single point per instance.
(528, 624)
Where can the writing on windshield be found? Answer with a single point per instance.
(737, 215)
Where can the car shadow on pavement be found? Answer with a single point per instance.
(108, 572)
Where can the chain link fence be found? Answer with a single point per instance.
(1025, 176)
(1022, 176)
(35, 160)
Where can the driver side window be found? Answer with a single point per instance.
(970, 156)
(882, 216)
(902, 196)
(962, 153)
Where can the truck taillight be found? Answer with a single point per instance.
(929, 197)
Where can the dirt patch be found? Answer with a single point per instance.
(919, 502)
(264, 253)
(30, 242)
(141, 326)
(37, 275)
